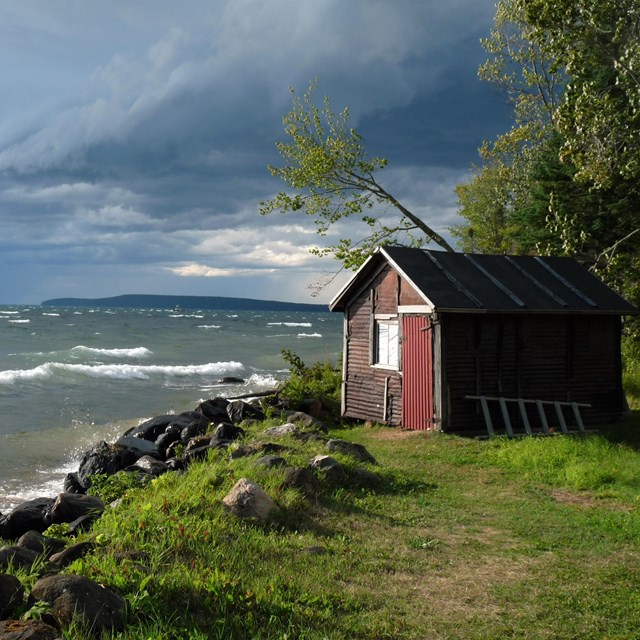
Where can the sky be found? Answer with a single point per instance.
(135, 135)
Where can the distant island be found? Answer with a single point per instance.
(148, 301)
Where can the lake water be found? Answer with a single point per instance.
(70, 377)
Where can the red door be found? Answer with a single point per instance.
(417, 373)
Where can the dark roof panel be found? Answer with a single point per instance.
(478, 282)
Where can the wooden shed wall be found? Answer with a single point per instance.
(365, 386)
(549, 357)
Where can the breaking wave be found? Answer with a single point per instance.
(135, 352)
(288, 324)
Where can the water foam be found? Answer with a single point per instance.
(288, 324)
(116, 371)
(309, 335)
(134, 352)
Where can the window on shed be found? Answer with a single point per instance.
(386, 338)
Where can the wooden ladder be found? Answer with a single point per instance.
(522, 407)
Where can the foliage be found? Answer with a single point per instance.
(111, 487)
(321, 380)
(334, 179)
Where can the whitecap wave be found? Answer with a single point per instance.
(289, 324)
(117, 371)
(134, 352)
(309, 335)
(55, 315)
(209, 326)
(20, 321)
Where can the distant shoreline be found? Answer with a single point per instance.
(150, 301)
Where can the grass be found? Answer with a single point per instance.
(530, 538)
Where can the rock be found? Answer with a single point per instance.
(81, 524)
(106, 459)
(303, 480)
(192, 430)
(271, 461)
(352, 449)
(71, 506)
(72, 484)
(306, 421)
(287, 429)
(331, 469)
(170, 435)
(140, 446)
(27, 630)
(198, 442)
(249, 500)
(228, 431)
(11, 594)
(200, 453)
(72, 553)
(311, 406)
(238, 410)
(214, 409)
(17, 557)
(35, 541)
(365, 478)
(257, 447)
(151, 465)
(73, 596)
(31, 514)
(152, 428)
(231, 380)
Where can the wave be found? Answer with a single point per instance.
(10, 313)
(56, 315)
(20, 321)
(309, 335)
(209, 326)
(135, 352)
(51, 370)
(289, 324)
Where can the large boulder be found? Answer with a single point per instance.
(11, 594)
(28, 630)
(249, 500)
(303, 480)
(71, 596)
(149, 464)
(306, 421)
(228, 431)
(239, 410)
(139, 445)
(352, 449)
(214, 409)
(68, 507)
(287, 429)
(35, 541)
(106, 459)
(152, 428)
(17, 557)
(72, 553)
(329, 469)
(31, 514)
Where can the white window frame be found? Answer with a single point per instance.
(386, 342)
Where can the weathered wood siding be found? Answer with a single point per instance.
(570, 358)
(364, 385)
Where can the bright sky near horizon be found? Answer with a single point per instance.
(135, 134)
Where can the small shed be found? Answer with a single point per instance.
(466, 343)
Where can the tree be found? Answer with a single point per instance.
(333, 178)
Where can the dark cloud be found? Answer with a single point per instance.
(135, 139)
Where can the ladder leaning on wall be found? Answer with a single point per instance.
(522, 407)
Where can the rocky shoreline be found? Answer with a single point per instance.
(163, 444)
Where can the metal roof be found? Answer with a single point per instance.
(465, 282)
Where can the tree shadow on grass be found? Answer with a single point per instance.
(625, 432)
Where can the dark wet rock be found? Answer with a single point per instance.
(231, 380)
(352, 449)
(97, 607)
(287, 429)
(238, 410)
(228, 431)
(35, 541)
(11, 595)
(72, 484)
(271, 461)
(198, 442)
(152, 428)
(175, 464)
(28, 515)
(17, 557)
(83, 523)
(28, 630)
(249, 500)
(214, 409)
(170, 435)
(106, 459)
(193, 429)
(330, 469)
(306, 421)
(365, 478)
(68, 507)
(72, 553)
(303, 480)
